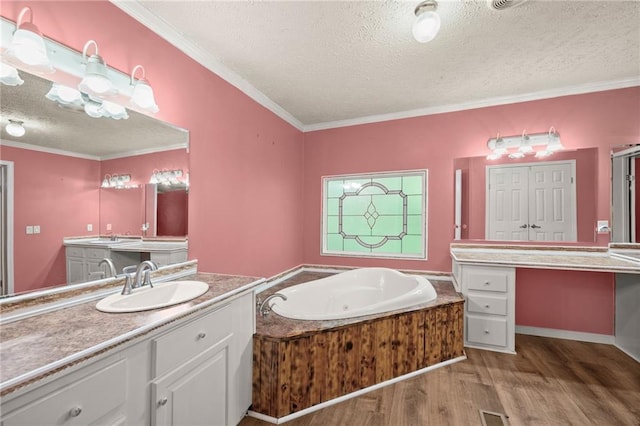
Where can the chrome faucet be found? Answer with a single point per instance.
(110, 265)
(128, 272)
(264, 306)
(143, 274)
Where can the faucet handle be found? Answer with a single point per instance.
(129, 269)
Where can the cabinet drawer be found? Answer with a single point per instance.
(75, 252)
(486, 278)
(484, 304)
(487, 331)
(81, 403)
(173, 349)
(97, 253)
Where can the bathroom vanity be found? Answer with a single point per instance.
(178, 365)
(83, 255)
(486, 276)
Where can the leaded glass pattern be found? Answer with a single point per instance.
(375, 215)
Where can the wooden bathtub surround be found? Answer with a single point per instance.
(295, 372)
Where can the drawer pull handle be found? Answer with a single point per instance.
(486, 332)
(162, 402)
(487, 306)
(75, 412)
(201, 336)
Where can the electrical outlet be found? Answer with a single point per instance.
(89, 227)
(36, 229)
(29, 229)
(602, 227)
(108, 227)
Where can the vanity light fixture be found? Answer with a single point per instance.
(427, 23)
(170, 178)
(117, 182)
(27, 48)
(520, 146)
(142, 95)
(96, 81)
(9, 75)
(15, 128)
(64, 95)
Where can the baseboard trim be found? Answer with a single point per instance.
(626, 352)
(342, 398)
(566, 334)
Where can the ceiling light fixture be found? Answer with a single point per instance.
(15, 128)
(27, 48)
(142, 95)
(524, 144)
(64, 95)
(96, 81)
(427, 23)
(9, 75)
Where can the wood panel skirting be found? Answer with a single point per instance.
(291, 374)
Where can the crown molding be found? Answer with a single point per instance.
(144, 151)
(489, 102)
(48, 150)
(137, 11)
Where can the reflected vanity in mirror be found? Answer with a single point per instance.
(625, 199)
(58, 167)
(527, 199)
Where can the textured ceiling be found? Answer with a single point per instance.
(323, 62)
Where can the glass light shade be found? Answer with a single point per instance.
(525, 149)
(64, 95)
(554, 143)
(493, 156)
(143, 96)
(516, 154)
(9, 75)
(96, 81)
(113, 110)
(15, 128)
(27, 49)
(93, 108)
(543, 154)
(426, 26)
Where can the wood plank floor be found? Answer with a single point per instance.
(549, 382)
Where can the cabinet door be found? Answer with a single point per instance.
(196, 393)
(75, 270)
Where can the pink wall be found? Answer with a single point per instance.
(60, 194)
(586, 189)
(566, 300)
(596, 120)
(123, 209)
(246, 163)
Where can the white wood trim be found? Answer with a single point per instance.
(10, 224)
(351, 395)
(566, 334)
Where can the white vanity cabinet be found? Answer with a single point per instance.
(195, 370)
(489, 293)
(93, 395)
(82, 263)
(163, 258)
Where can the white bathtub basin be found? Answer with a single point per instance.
(160, 296)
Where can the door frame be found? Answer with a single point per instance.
(574, 196)
(8, 174)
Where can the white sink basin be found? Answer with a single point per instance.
(160, 296)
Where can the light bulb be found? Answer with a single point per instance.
(15, 128)
(9, 75)
(426, 26)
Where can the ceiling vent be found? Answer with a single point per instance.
(504, 4)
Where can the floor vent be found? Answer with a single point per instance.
(493, 419)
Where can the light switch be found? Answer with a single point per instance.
(36, 229)
(29, 229)
(89, 227)
(108, 227)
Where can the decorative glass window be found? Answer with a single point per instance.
(375, 215)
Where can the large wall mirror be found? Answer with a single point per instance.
(528, 199)
(58, 167)
(625, 198)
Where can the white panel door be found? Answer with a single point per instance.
(552, 212)
(507, 212)
(532, 202)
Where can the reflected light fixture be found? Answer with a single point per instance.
(427, 23)
(96, 81)
(27, 47)
(142, 92)
(64, 95)
(9, 75)
(15, 128)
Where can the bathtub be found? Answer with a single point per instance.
(354, 293)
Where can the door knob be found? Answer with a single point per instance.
(525, 226)
(534, 226)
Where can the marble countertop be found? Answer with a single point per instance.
(33, 347)
(126, 244)
(545, 257)
(276, 326)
